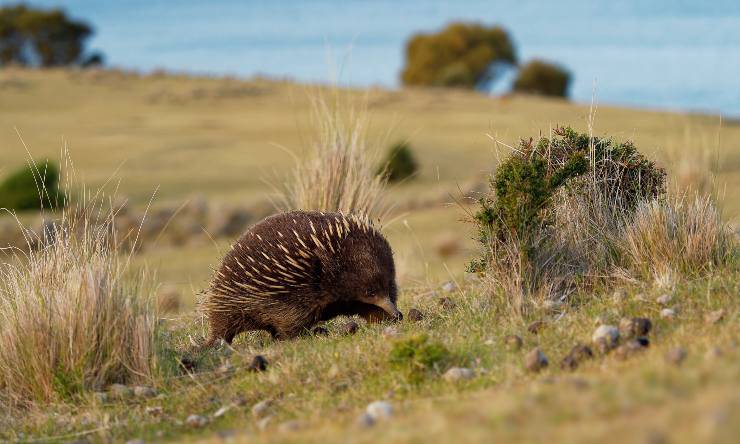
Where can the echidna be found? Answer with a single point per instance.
(293, 270)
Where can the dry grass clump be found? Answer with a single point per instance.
(337, 172)
(684, 236)
(73, 316)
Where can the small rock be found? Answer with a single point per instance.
(536, 327)
(365, 420)
(258, 364)
(379, 410)
(577, 354)
(676, 355)
(350, 328)
(261, 409)
(222, 411)
(456, 374)
(608, 335)
(631, 347)
(196, 421)
(154, 411)
(320, 331)
(664, 299)
(390, 332)
(535, 360)
(449, 287)
(634, 327)
(289, 426)
(141, 391)
(668, 313)
(415, 315)
(264, 423)
(714, 316)
(447, 303)
(100, 397)
(512, 342)
(120, 391)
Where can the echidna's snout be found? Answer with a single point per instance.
(389, 307)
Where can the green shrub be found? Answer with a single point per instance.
(417, 356)
(543, 78)
(399, 163)
(31, 187)
(462, 55)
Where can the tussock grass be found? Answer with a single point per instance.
(338, 171)
(74, 316)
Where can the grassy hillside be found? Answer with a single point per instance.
(220, 138)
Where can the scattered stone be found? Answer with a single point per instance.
(513, 342)
(379, 410)
(258, 364)
(415, 315)
(449, 287)
(261, 409)
(350, 328)
(366, 420)
(676, 355)
(390, 332)
(668, 313)
(535, 360)
(577, 354)
(631, 347)
(606, 337)
(120, 391)
(447, 303)
(619, 296)
(222, 411)
(289, 426)
(456, 374)
(100, 397)
(714, 316)
(196, 421)
(536, 327)
(264, 423)
(154, 411)
(664, 299)
(320, 331)
(141, 391)
(634, 327)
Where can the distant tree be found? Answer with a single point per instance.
(540, 77)
(464, 55)
(35, 37)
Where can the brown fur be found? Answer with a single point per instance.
(293, 270)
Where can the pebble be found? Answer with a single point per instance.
(449, 287)
(350, 328)
(577, 354)
(120, 391)
(447, 303)
(141, 391)
(535, 360)
(261, 409)
(536, 327)
(365, 420)
(668, 313)
(714, 316)
(379, 410)
(196, 421)
(415, 315)
(222, 411)
(289, 426)
(664, 299)
(513, 342)
(264, 423)
(456, 374)
(606, 334)
(676, 355)
(258, 364)
(634, 327)
(390, 332)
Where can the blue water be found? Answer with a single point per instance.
(667, 54)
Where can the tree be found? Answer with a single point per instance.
(543, 78)
(35, 37)
(399, 163)
(464, 55)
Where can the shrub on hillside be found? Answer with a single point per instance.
(399, 163)
(543, 78)
(32, 187)
(462, 55)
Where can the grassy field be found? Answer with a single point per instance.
(222, 138)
